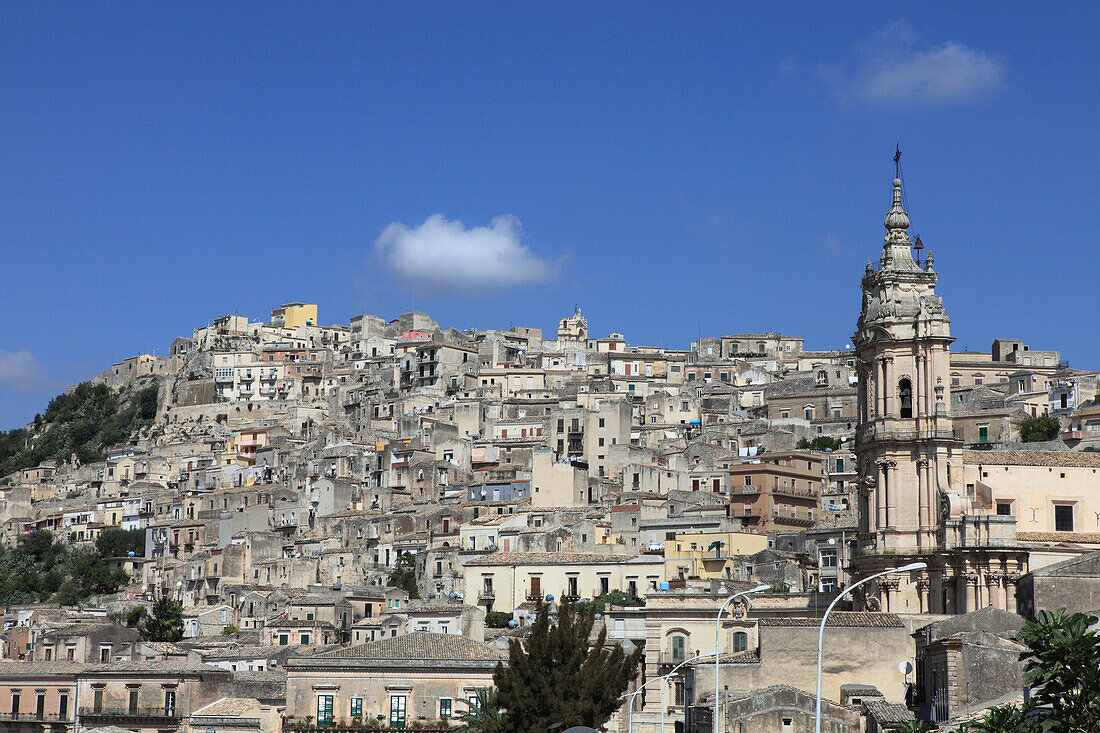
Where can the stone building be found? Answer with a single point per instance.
(912, 503)
(416, 676)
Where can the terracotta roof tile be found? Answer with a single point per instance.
(841, 619)
(419, 645)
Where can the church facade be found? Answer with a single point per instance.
(912, 502)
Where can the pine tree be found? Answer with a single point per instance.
(165, 622)
(559, 675)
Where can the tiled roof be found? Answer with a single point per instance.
(841, 619)
(229, 707)
(1059, 537)
(545, 558)
(417, 646)
(1052, 458)
(888, 713)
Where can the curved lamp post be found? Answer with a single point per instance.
(821, 632)
(670, 675)
(717, 646)
(641, 688)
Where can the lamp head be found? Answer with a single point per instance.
(912, 566)
(759, 588)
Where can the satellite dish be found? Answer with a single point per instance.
(905, 667)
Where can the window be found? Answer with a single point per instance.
(97, 700)
(356, 707)
(132, 702)
(444, 708)
(1063, 517)
(15, 704)
(740, 641)
(905, 393)
(284, 639)
(63, 705)
(305, 639)
(983, 433)
(324, 709)
(1004, 508)
(604, 585)
(397, 711)
(828, 558)
(679, 645)
(170, 702)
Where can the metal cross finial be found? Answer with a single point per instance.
(897, 161)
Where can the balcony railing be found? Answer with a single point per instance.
(486, 594)
(117, 713)
(34, 717)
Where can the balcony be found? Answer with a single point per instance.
(746, 489)
(570, 597)
(486, 594)
(34, 718)
(161, 714)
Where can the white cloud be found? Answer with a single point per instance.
(445, 255)
(21, 372)
(893, 68)
(832, 243)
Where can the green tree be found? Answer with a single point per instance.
(120, 542)
(1004, 719)
(1062, 668)
(404, 575)
(165, 622)
(497, 619)
(615, 598)
(559, 675)
(483, 713)
(820, 443)
(915, 726)
(1038, 429)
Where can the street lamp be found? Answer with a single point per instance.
(717, 647)
(821, 632)
(670, 675)
(662, 678)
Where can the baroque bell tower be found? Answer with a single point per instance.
(908, 458)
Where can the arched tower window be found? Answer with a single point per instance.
(905, 391)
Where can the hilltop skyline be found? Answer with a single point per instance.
(169, 165)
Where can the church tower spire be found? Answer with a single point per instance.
(906, 451)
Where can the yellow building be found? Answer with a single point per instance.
(707, 555)
(292, 315)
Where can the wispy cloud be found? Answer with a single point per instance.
(894, 66)
(443, 254)
(832, 243)
(21, 372)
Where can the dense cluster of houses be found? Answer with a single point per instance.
(296, 470)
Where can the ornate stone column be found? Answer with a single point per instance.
(993, 589)
(890, 592)
(889, 388)
(924, 512)
(892, 494)
(971, 590)
(1010, 579)
(880, 392)
(918, 390)
(924, 599)
(880, 495)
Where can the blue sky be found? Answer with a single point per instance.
(674, 169)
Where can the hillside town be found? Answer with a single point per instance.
(359, 519)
